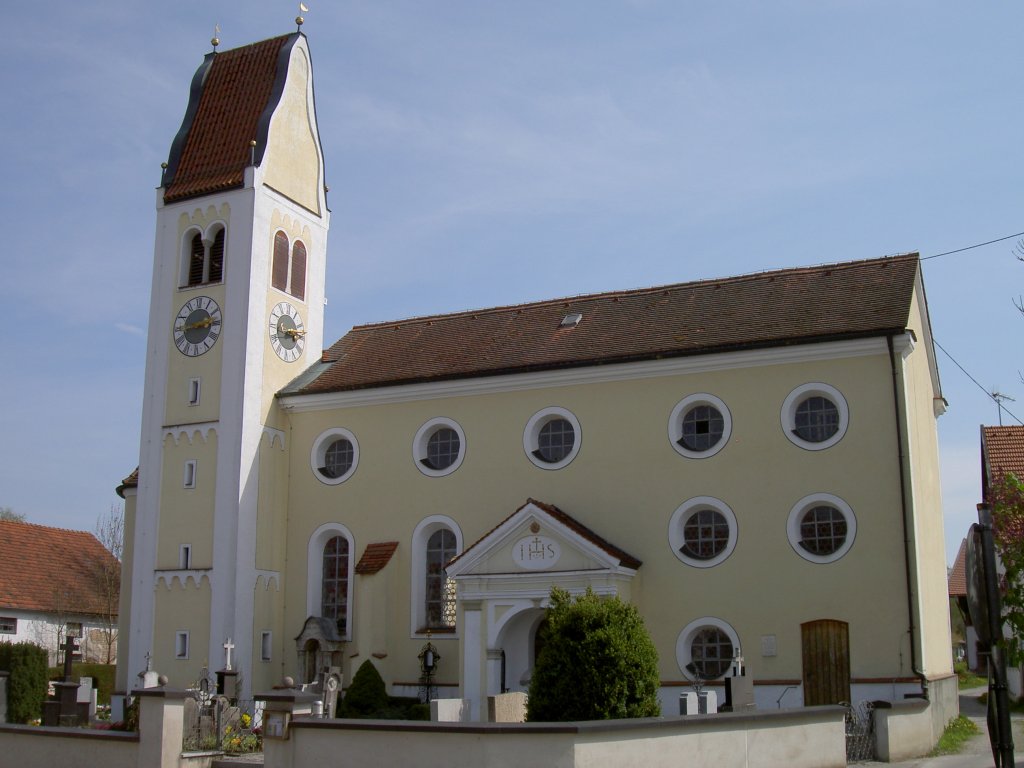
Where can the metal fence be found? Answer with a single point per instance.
(860, 731)
(216, 723)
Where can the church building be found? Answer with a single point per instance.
(752, 461)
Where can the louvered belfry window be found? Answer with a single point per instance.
(279, 274)
(197, 259)
(298, 281)
(217, 258)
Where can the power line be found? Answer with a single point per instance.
(968, 248)
(987, 393)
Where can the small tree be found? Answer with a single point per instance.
(27, 684)
(367, 696)
(597, 662)
(1007, 496)
(6, 513)
(107, 577)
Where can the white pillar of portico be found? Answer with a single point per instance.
(494, 682)
(473, 682)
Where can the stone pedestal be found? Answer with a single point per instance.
(227, 683)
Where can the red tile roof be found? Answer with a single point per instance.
(1003, 451)
(958, 575)
(132, 481)
(51, 569)
(233, 94)
(375, 557)
(839, 301)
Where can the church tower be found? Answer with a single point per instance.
(236, 313)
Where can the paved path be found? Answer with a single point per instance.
(977, 752)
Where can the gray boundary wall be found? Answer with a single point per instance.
(812, 737)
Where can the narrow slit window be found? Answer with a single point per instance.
(190, 474)
(266, 644)
(181, 645)
(194, 388)
(185, 556)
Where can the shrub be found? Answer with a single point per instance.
(597, 662)
(26, 686)
(367, 696)
(102, 675)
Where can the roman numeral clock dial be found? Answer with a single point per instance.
(287, 333)
(197, 326)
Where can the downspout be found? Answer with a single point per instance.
(900, 442)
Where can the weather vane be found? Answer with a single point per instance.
(298, 19)
(215, 40)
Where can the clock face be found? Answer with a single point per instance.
(287, 333)
(197, 326)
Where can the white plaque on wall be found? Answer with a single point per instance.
(535, 553)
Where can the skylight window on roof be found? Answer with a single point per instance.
(571, 320)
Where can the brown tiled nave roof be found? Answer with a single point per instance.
(838, 301)
(51, 569)
(233, 95)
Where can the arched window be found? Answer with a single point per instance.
(298, 281)
(203, 258)
(279, 274)
(436, 540)
(217, 258)
(197, 259)
(334, 586)
(440, 590)
(329, 575)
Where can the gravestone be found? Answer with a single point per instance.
(86, 699)
(739, 693)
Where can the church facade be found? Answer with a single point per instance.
(752, 461)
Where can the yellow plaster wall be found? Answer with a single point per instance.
(125, 598)
(625, 484)
(181, 607)
(267, 615)
(292, 159)
(187, 513)
(930, 532)
(272, 507)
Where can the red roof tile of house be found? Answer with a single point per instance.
(233, 95)
(839, 301)
(958, 575)
(1003, 451)
(132, 481)
(51, 569)
(375, 557)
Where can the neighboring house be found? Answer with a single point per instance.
(957, 582)
(752, 461)
(55, 582)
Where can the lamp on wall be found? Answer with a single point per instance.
(428, 657)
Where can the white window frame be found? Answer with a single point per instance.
(676, 539)
(315, 570)
(420, 536)
(185, 557)
(819, 500)
(266, 645)
(318, 453)
(181, 644)
(188, 479)
(675, 424)
(422, 438)
(195, 386)
(684, 643)
(801, 393)
(531, 436)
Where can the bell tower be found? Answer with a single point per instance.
(236, 312)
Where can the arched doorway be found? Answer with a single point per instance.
(517, 641)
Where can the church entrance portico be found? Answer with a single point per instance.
(504, 583)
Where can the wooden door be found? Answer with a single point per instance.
(826, 659)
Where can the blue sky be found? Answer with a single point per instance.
(484, 153)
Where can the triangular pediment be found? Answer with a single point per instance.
(539, 538)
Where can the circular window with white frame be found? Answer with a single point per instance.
(702, 532)
(705, 649)
(552, 438)
(334, 456)
(815, 416)
(699, 426)
(821, 528)
(439, 447)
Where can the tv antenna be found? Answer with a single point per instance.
(999, 397)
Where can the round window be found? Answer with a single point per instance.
(706, 647)
(334, 456)
(821, 528)
(699, 426)
(815, 416)
(555, 441)
(702, 532)
(442, 449)
(817, 419)
(552, 438)
(439, 447)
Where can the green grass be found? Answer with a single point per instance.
(956, 734)
(966, 678)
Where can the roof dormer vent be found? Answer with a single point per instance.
(571, 320)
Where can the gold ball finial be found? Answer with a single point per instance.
(215, 40)
(299, 20)
(252, 143)
(164, 166)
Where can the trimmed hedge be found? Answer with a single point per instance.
(367, 696)
(27, 684)
(597, 662)
(102, 675)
